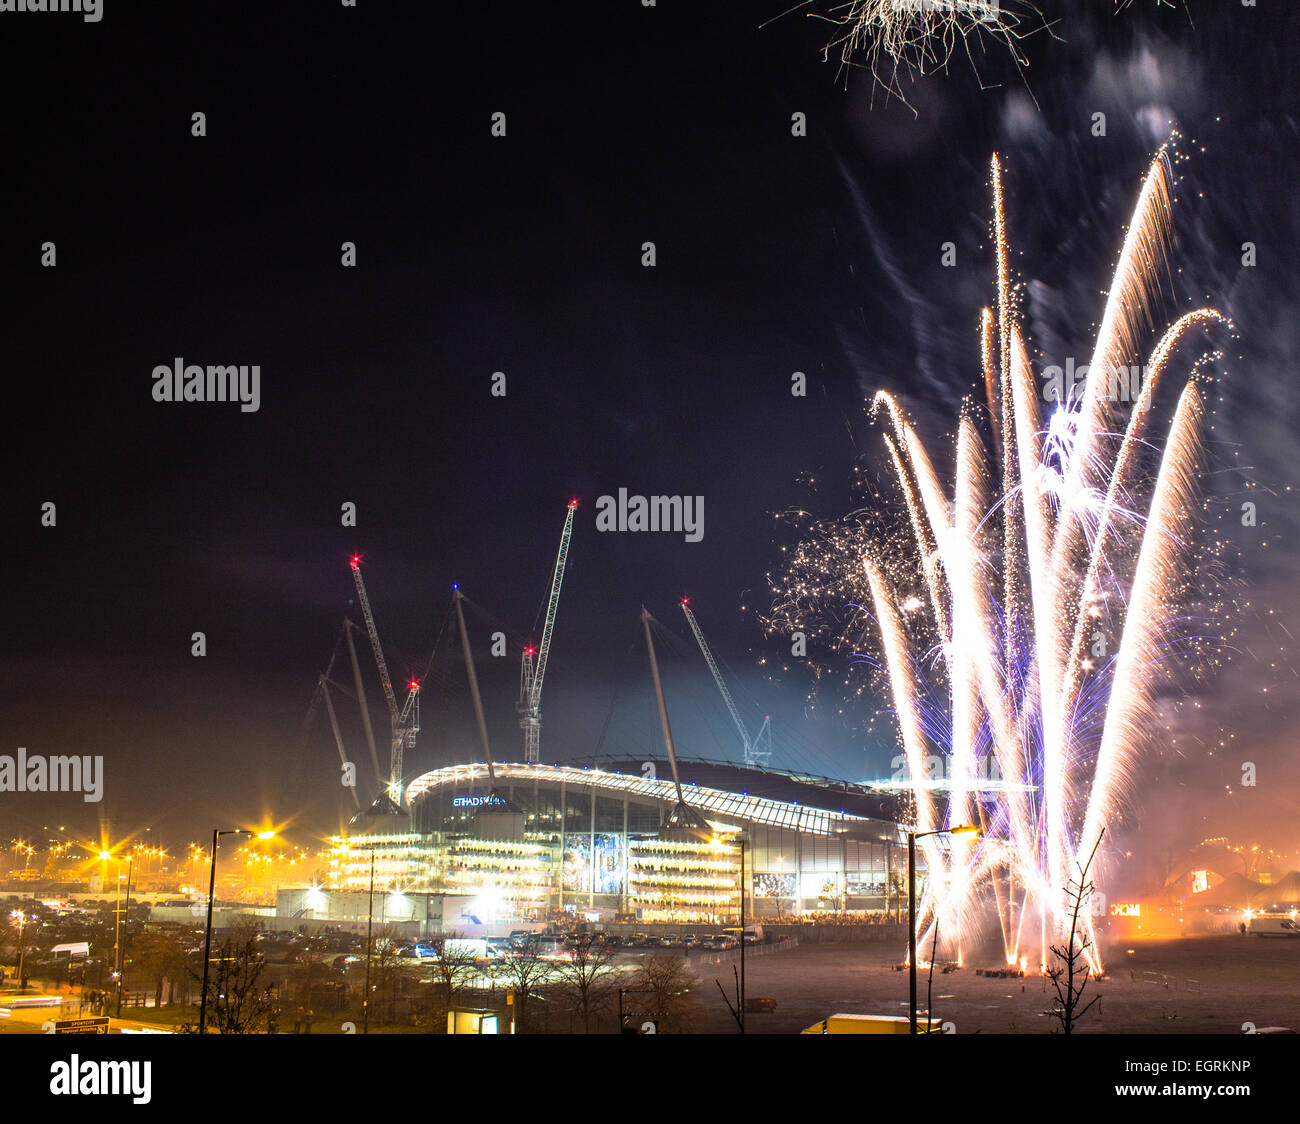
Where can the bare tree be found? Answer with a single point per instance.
(160, 956)
(526, 973)
(1070, 976)
(10, 929)
(585, 978)
(307, 980)
(237, 1001)
(897, 890)
(388, 970)
(668, 996)
(454, 965)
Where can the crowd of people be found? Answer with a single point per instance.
(849, 917)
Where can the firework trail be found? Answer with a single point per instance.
(1042, 550)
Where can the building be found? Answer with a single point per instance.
(597, 840)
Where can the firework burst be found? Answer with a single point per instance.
(1024, 621)
(897, 37)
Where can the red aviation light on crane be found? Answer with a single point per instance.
(573, 502)
(413, 685)
(356, 560)
(686, 600)
(529, 651)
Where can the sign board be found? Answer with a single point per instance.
(81, 1026)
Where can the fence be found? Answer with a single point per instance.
(732, 955)
(824, 933)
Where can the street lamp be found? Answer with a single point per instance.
(22, 945)
(718, 844)
(912, 837)
(370, 924)
(207, 936)
(107, 857)
(740, 840)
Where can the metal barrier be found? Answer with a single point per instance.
(732, 955)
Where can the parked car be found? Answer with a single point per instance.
(552, 948)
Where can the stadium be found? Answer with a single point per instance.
(477, 846)
(604, 842)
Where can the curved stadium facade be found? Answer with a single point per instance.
(545, 837)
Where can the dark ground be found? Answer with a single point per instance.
(1207, 985)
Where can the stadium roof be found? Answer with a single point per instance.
(768, 799)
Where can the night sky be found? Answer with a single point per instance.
(522, 254)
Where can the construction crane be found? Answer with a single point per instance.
(758, 749)
(683, 822)
(532, 668)
(406, 721)
(323, 695)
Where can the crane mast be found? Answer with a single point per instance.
(683, 821)
(532, 668)
(457, 597)
(406, 721)
(754, 754)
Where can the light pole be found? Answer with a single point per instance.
(740, 838)
(22, 946)
(370, 923)
(912, 837)
(107, 857)
(207, 935)
(719, 845)
(121, 969)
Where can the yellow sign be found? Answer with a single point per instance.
(81, 1026)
